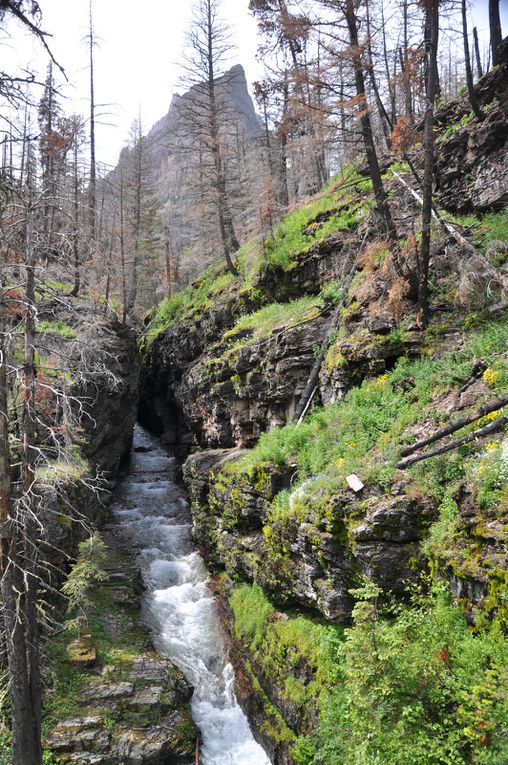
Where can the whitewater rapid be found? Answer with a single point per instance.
(178, 607)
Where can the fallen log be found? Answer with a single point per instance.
(485, 431)
(491, 406)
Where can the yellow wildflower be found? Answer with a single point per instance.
(491, 376)
(381, 380)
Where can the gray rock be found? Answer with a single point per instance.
(147, 697)
(108, 690)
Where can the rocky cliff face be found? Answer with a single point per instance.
(304, 562)
(103, 360)
(472, 161)
(112, 399)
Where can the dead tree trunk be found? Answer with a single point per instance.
(230, 243)
(432, 28)
(93, 180)
(18, 541)
(479, 69)
(366, 126)
(311, 385)
(75, 233)
(469, 73)
(496, 36)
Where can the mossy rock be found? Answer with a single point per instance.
(81, 652)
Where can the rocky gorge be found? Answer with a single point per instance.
(325, 587)
(290, 543)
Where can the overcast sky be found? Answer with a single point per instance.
(139, 45)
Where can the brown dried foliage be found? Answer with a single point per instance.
(403, 136)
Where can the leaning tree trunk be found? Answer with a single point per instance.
(479, 67)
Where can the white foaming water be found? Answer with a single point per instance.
(178, 607)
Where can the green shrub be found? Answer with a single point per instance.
(417, 687)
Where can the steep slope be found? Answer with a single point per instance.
(414, 558)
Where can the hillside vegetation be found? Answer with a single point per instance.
(416, 675)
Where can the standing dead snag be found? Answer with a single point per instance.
(469, 72)
(205, 117)
(366, 125)
(19, 528)
(432, 29)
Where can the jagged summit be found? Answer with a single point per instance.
(174, 166)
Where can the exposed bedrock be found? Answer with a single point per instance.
(308, 558)
(472, 157)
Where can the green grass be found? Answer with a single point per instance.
(494, 226)
(263, 322)
(280, 648)
(57, 328)
(61, 471)
(486, 229)
(347, 199)
(187, 304)
(411, 684)
(364, 432)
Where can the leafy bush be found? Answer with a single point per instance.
(86, 572)
(417, 687)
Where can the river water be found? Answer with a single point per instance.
(178, 607)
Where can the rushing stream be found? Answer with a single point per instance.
(178, 607)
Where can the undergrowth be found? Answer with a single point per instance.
(365, 431)
(415, 685)
(57, 328)
(338, 207)
(188, 303)
(341, 206)
(409, 683)
(261, 323)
